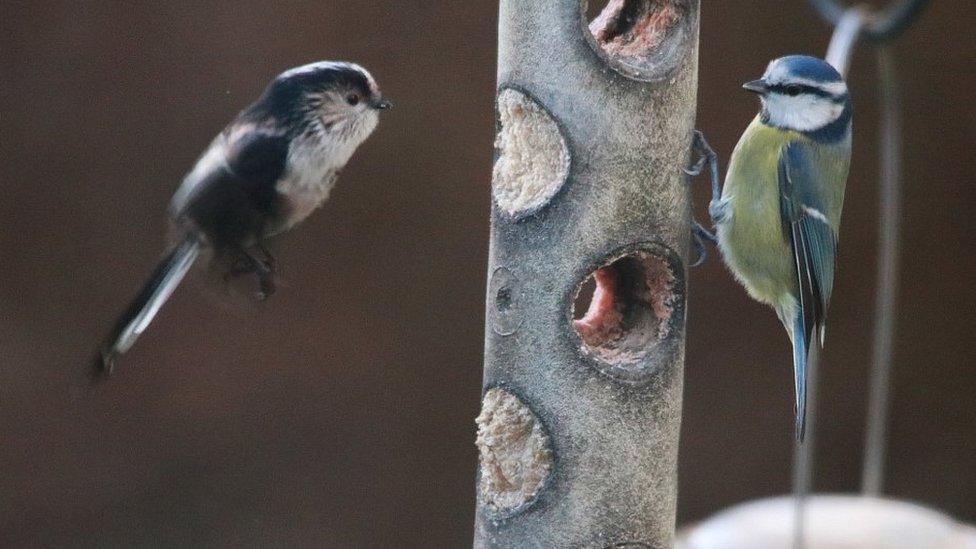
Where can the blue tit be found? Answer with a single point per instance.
(778, 216)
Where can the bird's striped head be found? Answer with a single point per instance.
(802, 93)
(331, 96)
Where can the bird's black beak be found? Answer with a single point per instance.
(382, 104)
(756, 86)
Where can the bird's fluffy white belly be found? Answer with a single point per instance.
(311, 174)
(303, 194)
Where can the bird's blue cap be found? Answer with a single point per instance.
(805, 66)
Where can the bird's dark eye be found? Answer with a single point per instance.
(793, 89)
(352, 99)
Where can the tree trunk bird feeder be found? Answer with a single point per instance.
(585, 321)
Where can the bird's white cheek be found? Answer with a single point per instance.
(801, 113)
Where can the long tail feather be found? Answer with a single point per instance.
(800, 374)
(164, 280)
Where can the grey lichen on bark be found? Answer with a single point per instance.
(578, 435)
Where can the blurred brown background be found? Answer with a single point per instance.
(340, 412)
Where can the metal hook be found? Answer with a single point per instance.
(882, 25)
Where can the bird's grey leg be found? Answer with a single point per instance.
(717, 208)
(269, 260)
(266, 274)
(264, 269)
(706, 155)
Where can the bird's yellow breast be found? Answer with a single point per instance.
(751, 237)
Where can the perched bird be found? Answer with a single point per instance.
(267, 170)
(778, 214)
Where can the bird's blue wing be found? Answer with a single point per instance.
(813, 240)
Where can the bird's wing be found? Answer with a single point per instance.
(258, 156)
(243, 163)
(806, 214)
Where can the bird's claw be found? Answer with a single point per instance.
(265, 270)
(705, 154)
(696, 169)
(266, 286)
(269, 262)
(699, 235)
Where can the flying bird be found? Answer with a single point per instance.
(266, 171)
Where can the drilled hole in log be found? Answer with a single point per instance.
(513, 450)
(641, 37)
(533, 159)
(628, 312)
(584, 297)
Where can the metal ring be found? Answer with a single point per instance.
(881, 25)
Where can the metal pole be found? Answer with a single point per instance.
(879, 27)
(887, 289)
(839, 55)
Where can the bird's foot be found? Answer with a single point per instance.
(269, 261)
(263, 268)
(706, 156)
(696, 169)
(266, 270)
(266, 285)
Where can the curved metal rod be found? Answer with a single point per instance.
(849, 27)
(803, 452)
(872, 476)
(851, 24)
(882, 25)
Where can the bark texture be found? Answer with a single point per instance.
(578, 435)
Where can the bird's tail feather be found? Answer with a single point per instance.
(799, 338)
(164, 280)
